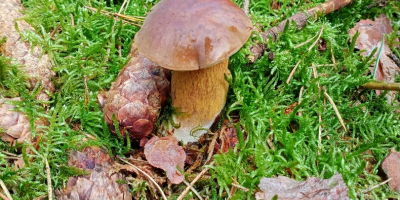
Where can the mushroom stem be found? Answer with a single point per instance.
(199, 96)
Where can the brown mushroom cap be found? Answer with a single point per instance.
(189, 35)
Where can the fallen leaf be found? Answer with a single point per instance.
(313, 188)
(371, 34)
(165, 153)
(391, 166)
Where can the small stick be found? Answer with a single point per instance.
(72, 20)
(3, 197)
(193, 182)
(87, 94)
(49, 187)
(292, 72)
(5, 190)
(319, 36)
(376, 186)
(333, 57)
(211, 147)
(304, 43)
(112, 31)
(240, 187)
(335, 109)
(375, 85)
(8, 153)
(319, 114)
(193, 190)
(147, 175)
(300, 97)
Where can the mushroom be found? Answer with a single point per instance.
(194, 38)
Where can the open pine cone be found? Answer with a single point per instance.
(37, 66)
(136, 96)
(99, 184)
(14, 126)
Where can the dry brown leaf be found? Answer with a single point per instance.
(371, 34)
(313, 188)
(391, 166)
(165, 153)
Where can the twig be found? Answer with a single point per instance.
(211, 147)
(193, 182)
(292, 72)
(3, 197)
(246, 7)
(147, 175)
(72, 20)
(9, 154)
(301, 20)
(300, 97)
(49, 187)
(333, 57)
(240, 187)
(319, 114)
(376, 186)
(309, 40)
(112, 31)
(3, 186)
(336, 110)
(132, 19)
(193, 190)
(87, 94)
(375, 85)
(319, 36)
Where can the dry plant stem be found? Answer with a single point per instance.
(8, 153)
(374, 85)
(193, 190)
(316, 41)
(112, 31)
(3, 197)
(211, 147)
(87, 94)
(309, 40)
(333, 57)
(292, 72)
(193, 182)
(240, 187)
(301, 20)
(376, 186)
(300, 98)
(147, 175)
(3, 186)
(49, 186)
(319, 115)
(72, 20)
(109, 14)
(336, 110)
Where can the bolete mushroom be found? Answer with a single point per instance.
(195, 39)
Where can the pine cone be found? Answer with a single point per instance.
(136, 96)
(37, 66)
(15, 125)
(99, 185)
